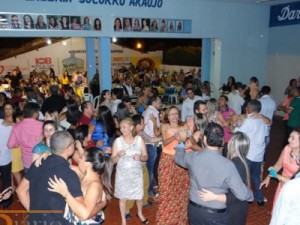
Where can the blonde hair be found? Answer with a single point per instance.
(212, 108)
(238, 146)
(129, 121)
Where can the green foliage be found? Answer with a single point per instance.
(186, 56)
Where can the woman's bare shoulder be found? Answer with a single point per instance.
(76, 170)
(94, 186)
(165, 126)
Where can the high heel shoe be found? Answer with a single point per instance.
(143, 222)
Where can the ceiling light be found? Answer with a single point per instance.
(64, 43)
(49, 42)
(114, 40)
(138, 45)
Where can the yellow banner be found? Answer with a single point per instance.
(148, 62)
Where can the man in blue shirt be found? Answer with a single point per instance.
(257, 130)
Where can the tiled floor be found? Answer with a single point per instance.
(256, 216)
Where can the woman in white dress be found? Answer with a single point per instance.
(129, 151)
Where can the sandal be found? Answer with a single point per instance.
(143, 221)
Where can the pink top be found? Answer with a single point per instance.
(226, 115)
(26, 134)
(289, 168)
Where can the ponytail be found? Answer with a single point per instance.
(103, 166)
(106, 176)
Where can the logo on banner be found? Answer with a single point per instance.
(42, 61)
(146, 63)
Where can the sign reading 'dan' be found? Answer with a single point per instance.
(285, 14)
(131, 3)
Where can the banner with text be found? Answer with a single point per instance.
(285, 14)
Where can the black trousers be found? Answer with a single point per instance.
(6, 181)
(155, 169)
(199, 216)
(238, 212)
(6, 175)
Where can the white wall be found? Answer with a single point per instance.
(283, 59)
(55, 53)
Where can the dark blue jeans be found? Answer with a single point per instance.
(199, 216)
(152, 154)
(255, 171)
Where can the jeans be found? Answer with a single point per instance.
(255, 171)
(199, 216)
(267, 141)
(152, 154)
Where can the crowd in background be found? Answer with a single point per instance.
(176, 155)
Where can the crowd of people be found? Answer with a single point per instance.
(201, 162)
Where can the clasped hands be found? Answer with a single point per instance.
(177, 136)
(136, 157)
